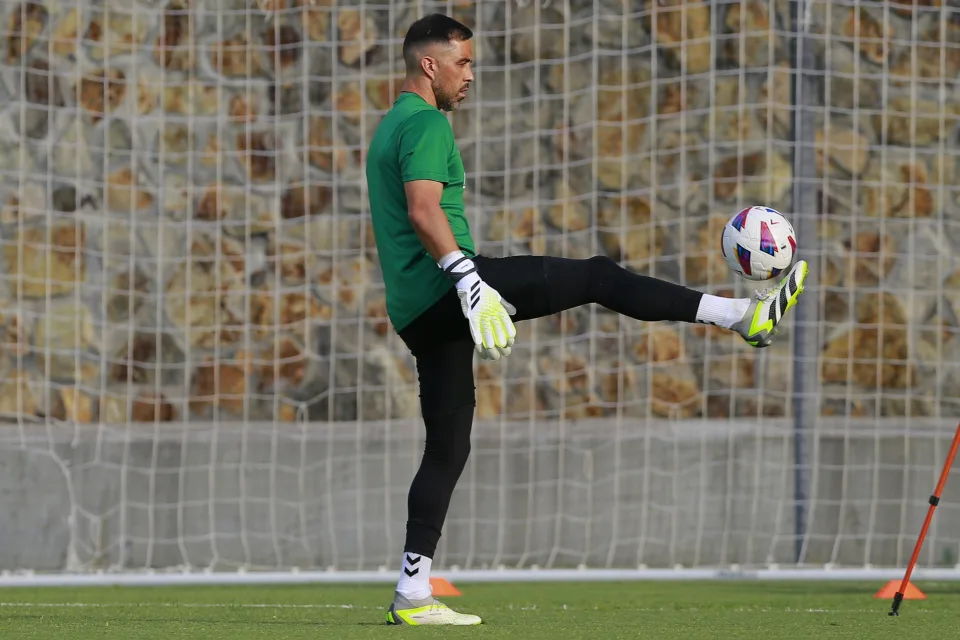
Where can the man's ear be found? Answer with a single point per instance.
(429, 66)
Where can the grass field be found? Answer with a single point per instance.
(599, 611)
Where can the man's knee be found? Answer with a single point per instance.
(448, 436)
(601, 264)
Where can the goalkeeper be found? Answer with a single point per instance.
(446, 302)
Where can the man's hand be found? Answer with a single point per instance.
(486, 312)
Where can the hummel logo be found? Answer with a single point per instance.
(412, 560)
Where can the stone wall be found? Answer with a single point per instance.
(183, 232)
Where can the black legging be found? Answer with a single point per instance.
(440, 341)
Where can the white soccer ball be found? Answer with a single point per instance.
(759, 243)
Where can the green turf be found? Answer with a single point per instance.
(607, 611)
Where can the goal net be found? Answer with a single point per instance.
(197, 367)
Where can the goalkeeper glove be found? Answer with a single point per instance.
(486, 312)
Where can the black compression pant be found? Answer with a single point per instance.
(441, 344)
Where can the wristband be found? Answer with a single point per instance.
(456, 265)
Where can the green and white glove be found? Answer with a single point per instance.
(486, 312)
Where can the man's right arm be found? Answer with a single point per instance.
(424, 147)
(428, 218)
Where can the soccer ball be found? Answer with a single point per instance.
(758, 243)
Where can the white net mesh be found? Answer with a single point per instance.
(197, 366)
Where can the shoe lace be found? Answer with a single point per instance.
(764, 294)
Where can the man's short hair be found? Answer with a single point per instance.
(435, 28)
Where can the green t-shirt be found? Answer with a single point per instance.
(414, 141)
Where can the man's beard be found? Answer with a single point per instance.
(446, 101)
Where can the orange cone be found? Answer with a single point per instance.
(442, 588)
(890, 589)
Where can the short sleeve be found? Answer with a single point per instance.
(425, 141)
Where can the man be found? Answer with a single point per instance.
(445, 301)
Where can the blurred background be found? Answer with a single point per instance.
(198, 371)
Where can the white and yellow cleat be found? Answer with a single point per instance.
(759, 323)
(428, 611)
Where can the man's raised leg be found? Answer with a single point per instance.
(543, 285)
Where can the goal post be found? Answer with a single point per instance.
(199, 381)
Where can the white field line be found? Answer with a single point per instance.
(183, 605)
(511, 607)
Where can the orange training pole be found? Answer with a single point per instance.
(934, 501)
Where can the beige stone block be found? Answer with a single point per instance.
(65, 37)
(315, 16)
(114, 32)
(191, 98)
(62, 336)
(73, 404)
(869, 358)
(935, 56)
(868, 33)
(913, 8)
(259, 152)
(675, 393)
(149, 406)
(282, 46)
(358, 36)
(489, 393)
(521, 224)
(221, 384)
(101, 91)
(658, 344)
(757, 42)
(346, 281)
(175, 47)
(570, 210)
(527, 21)
(25, 205)
(282, 365)
(236, 57)
(703, 257)
(683, 31)
(126, 192)
(348, 102)
(46, 261)
(758, 176)
(383, 91)
(294, 312)
(25, 21)
(325, 151)
(915, 122)
(204, 296)
(870, 257)
(376, 316)
(16, 335)
(18, 396)
(300, 200)
(774, 99)
(899, 190)
(628, 233)
(846, 149)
